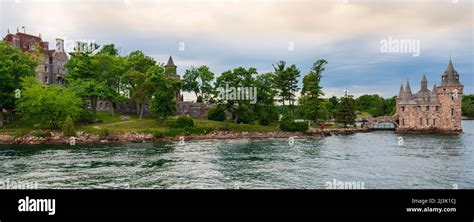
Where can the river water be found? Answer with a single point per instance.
(377, 160)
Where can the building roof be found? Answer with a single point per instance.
(450, 77)
(170, 62)
(26, 40)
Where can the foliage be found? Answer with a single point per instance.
(216, 113)
(468, 105)
(375, 105)
(345, 112)
(288, 123)
(199, 80)
(14, 65)
(311, 103)
(68, 127)
(286, 82)
(265, 109)
(163, 104)
(47, 103)
(183, 122)
(238, 77)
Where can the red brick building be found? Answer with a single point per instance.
(51, 69)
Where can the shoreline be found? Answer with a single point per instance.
(54, 138)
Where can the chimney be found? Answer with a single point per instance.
(59, 45)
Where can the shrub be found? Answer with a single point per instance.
(68, 127)
(86, 116)
(104, 132)
(288, 123)
(216, 113)
(40, 134)
(183, 122)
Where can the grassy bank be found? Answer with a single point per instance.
(107, 124)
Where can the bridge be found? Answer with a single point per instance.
(382, 123)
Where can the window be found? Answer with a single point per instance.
(421, 121)
(427, 122)
(437, 108)
(46, 79)
(452, 112)
(418, 108)
(427, 108)
(434, 122)
(403, 122)
(403, 109)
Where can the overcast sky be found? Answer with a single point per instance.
(231, 33)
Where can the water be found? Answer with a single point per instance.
(376, 159)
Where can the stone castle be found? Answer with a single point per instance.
(437, 110)
(51, 68)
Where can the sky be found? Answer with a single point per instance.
(371, 46)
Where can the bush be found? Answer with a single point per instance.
(40, 134)
(86, 116)
(104, 132)
(216, 113)
(68, 127)
(183, 122)
(288, 123)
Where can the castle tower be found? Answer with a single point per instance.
(170, 67)
(170, 70)
(450, 96)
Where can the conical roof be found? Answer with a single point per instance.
(170, 62)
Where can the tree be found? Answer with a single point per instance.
(163, 102)
(468, 105)
(346, 111)
(286, 82)
(52, 104)
(141, 88)
(312, 91)
(199, 80)
(14, 65)
(86, 76)
(238, 77)
(265, 108)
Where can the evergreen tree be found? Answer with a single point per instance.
(345, 113)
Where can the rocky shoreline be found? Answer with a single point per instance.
(133, 137)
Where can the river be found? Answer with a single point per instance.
(378, 160)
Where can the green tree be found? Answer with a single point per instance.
(345, 113)
(52, 104)
(14, 65)
(199, 80)
(163, 102)
(286, 82)
(68, 127)
(311, 92)
(141, 88)
(468, 105)
(238, 77)
(265, 108)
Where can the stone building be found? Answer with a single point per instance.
(436, 110)
(197, 110)
(51, 68)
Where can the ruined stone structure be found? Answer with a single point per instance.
(437, 110)
(51, 69)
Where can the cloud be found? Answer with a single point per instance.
(231, 33)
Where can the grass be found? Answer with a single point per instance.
(113, 125)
